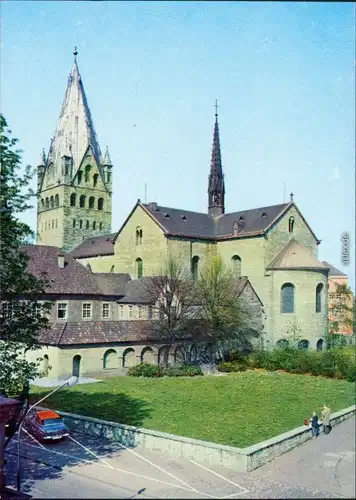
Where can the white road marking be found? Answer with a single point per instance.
(89, 451)
(222, 477)
(91, 462)
(40, 444)
(159, 468)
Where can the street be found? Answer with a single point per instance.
(91, 467)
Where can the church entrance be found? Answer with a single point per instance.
(76, 365)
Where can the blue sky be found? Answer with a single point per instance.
(283, 74)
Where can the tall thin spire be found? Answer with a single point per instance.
(75, 129)
(216, 189)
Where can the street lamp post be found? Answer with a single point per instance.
(70, 383)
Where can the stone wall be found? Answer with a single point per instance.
(239, 459)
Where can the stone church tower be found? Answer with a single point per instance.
(74, 181)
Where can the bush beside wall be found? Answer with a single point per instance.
(147, 370)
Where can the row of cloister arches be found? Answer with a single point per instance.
(83, 203)
(302, 344)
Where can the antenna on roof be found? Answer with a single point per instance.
(145, 193)
(284, 192)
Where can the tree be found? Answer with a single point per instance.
(171, 292)
(22, 314)
(228, 319)
(341, 317)
(294, 334)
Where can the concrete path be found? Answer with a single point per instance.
(88, 467)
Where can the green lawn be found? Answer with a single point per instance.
(238, 409)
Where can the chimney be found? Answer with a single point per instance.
(60, 260)
(152, 206)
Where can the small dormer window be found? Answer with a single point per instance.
(291, 225)
(184, 217)
(167, 216)
(235, 229)
(264, 214)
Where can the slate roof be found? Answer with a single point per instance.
(137, 291)
(179, 222)
(94, 246)
(296, 256)
(112, 283)
(73, 278)
(98, 332)
(333, 271)
(75, 129)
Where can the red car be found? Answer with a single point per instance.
(45, 425)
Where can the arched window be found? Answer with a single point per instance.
(88, 266)
(74, 221)
(319, 345)
(91, 202)
(94, 225)
(112, 270)
(47, 203)
(101, 204)
(291, 224)
(282, 343)
(80, 176)
(95, 179)
(110, 359)
(45, 365)
(87, 173)
(87, 225)
(195, 267)
(51, 202)
(42, 203)
(82, 201)
(287, 298)
(76, 365)
(81, 224)
(318, 297)
(100, 226)
(73, 199)
(129, 357)
(303, 344)
(138, 236)
(139, 268)
(236, 265)
(56, 200)
(147, 355)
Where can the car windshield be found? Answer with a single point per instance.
(51, 421)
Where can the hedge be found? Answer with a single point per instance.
(335, 363)
(148, 370)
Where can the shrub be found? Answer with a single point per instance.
(182, 371)
(145, 370)
(232, 366)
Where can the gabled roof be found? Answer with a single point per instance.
(75, 129)
(95, 246)
(112, 283)
(184, 223)
(73, 278)
(296, 256)
(333, 271)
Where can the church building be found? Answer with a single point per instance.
(273, 246)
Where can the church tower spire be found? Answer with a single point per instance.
(216, 189)
(74, 186)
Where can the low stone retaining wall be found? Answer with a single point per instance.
(239, 459)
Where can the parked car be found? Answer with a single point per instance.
(45, 425)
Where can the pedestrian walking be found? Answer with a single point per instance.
(325, 416)
(314, 424)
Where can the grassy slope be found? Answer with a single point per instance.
(238, 410)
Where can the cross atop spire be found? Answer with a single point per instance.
(75, 53)
(216, 189)
(216, 108)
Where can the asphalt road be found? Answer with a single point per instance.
(88, 467)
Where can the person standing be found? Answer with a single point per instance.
(325, 416)
(315, 424)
